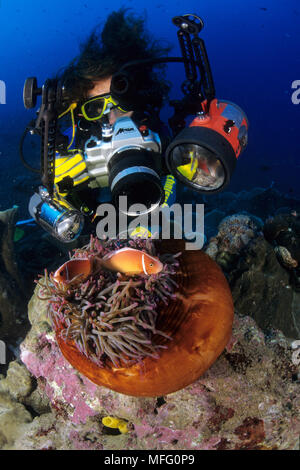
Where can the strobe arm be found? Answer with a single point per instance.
(207, 82)
(48, 125)
(48, 146)
(195, 58)
(45, 125)
(199, 85)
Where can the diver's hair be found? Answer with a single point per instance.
(123, 39)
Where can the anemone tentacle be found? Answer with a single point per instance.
(112, 318)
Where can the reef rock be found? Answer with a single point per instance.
(248, 399)
(13, 420)
(234, 234)
(261, 287)
(18, 381)
(283, 232)
(13, 295)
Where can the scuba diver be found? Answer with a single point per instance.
(100, 127)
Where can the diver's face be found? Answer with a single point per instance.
(100, 87)
(103, 86)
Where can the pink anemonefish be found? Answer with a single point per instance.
(132, 261)
(74, 270)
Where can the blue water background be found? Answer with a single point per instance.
(254, 52)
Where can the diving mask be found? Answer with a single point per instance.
(97, 106)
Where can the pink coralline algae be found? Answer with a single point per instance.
(58, 379)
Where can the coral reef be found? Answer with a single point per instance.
(296, 354)
(260, 286)
(13, 420)
(248, 399)
(13, 294)
(283, 232)
(18, 382)
(14, 415)
(262, 202)
(234, 234)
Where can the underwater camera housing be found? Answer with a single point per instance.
(128, 157)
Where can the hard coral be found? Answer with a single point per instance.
(235, 232)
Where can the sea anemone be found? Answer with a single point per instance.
(110, 317)
(191, 304)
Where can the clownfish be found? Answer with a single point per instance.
(74, 270)
(131, 261)
(126, 261)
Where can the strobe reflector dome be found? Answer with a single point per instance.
(203, 156)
